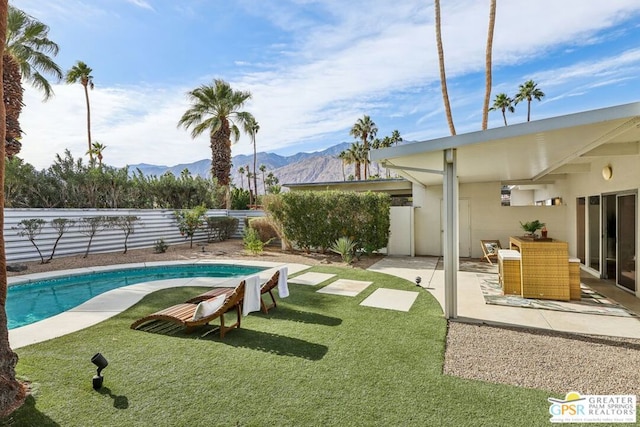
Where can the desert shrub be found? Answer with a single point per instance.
(160, 247)
(252, 242)
(264, 227)
(220, 228)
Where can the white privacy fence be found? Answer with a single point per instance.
(154, 224)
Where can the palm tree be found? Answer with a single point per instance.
(241, 172)
(252, 127)
(96, 150)
(12, 393)
(355, 154)
(395, 137)
(216, 108)
(82, 73)
(377, 144)
(364, 129)
(487, 92)
(263, 169)
(529, 91)
(503, 103)
(443, 77)
(27, 56)
(343, 156)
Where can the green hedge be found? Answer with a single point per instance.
(315, 220)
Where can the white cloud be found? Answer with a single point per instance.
(330, 64)
(141, 3)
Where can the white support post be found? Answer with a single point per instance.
(450, 195)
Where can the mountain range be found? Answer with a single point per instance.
(318, 166)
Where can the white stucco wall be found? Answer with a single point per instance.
(488, 219)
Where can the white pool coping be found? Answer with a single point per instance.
(115, 301)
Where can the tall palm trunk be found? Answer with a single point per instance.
(365, 149)
(443, 77)
(13, 93)
(12, 393)
(255, 172)
(220, 144)
(249, 185)
(85, 83)
(487, 93)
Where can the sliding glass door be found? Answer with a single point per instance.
(593, 221)
(626, 241)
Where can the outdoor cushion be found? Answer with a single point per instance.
(208, 307)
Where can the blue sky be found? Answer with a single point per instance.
(315, 66)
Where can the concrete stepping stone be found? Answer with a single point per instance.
(346, 287)
(391, 299)
(310, 279)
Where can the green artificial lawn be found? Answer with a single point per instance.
(315, 360)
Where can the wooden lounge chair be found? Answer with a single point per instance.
(211, 294)
(188, 314)
(267, 287)
(490, 249)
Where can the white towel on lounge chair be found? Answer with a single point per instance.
(251, 294)
(283, 288)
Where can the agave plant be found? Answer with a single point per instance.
(345, 247)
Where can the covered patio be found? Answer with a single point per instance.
(587, 161)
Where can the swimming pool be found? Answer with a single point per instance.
(34, 301)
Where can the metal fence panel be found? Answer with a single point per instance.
(154, 224)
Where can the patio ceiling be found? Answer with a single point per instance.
(527, 153)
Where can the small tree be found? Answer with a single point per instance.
(92, 226)
(61, 225)
(252, 242)
(31, 228)
(190, 221)
(127, 224)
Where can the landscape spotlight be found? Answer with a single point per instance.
(98, 360)
(418, 280)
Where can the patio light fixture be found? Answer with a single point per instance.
(98, 360)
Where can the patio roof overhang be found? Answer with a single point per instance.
(522, 153)
(394, 187)
(526, 153)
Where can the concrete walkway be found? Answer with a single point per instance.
(472, 307)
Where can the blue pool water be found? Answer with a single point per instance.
(31, 302)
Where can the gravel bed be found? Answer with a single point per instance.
(547, 360)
